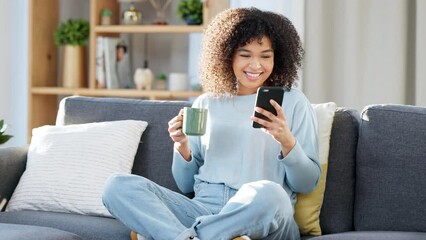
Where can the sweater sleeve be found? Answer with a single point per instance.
(183, 171)
(302, 165)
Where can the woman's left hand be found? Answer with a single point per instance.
(277, 127)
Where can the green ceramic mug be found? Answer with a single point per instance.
(194, 121)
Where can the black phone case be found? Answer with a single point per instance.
(264, 94)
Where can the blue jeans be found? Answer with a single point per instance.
(260, 210)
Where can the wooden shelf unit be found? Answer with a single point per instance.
(147, 29)
(43, 84)
(96, 29)
(124, 93)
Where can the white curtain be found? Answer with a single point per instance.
(361, 52)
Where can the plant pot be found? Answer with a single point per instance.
(73, 66)
(160, 84)
(192, 20)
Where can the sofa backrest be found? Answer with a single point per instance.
(390, 169)
(154, 156)
(337, 210)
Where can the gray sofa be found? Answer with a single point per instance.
(375, 185)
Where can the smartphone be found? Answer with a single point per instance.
(264, 94)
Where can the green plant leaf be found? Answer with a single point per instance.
(192, 9)
(3, 127)
(72, 32)
(106, 12)
(161, 76)
(4, 138)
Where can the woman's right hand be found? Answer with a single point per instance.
(178, 137)
(175, 128)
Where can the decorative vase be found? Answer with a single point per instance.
(160, 7)
(73, 66)
(131, 16)
(143, 78)
(178, 82)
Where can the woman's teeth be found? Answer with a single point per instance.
(252, 75)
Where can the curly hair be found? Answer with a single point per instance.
(236, 27)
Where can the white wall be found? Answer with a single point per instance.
(292, 9)
(14, 68)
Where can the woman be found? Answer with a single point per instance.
(245, 179)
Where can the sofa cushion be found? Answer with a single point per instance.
(379, 235)
(19, 232)
(391, 167)
(68, 166)
(337, 209)
(155, 152)
(308, 206)
(87, 227)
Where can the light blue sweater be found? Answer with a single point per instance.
(232, 152)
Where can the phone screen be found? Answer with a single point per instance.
(264, 94)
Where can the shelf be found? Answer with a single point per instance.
(148, 29)
(130, 93)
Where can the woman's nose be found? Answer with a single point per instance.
(254, 63)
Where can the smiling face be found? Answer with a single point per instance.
(252, 65)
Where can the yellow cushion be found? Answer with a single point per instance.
(308, 206)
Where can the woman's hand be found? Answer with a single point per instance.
(178, 137)
(175, 128)
(277, 127)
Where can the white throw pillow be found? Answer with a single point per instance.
(325, 116)
(308, 206)
(67, 166)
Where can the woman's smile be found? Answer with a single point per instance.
(252, 76)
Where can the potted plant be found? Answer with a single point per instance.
(106, 16)
(3, 137)
(191, 11)
(161, 81)
(73, 35)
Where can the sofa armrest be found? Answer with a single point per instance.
(12, 164)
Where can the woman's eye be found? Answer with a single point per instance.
(266, 56)
(244, 56)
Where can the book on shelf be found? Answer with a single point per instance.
(113, 63)
(110, 55)
(100, 63)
